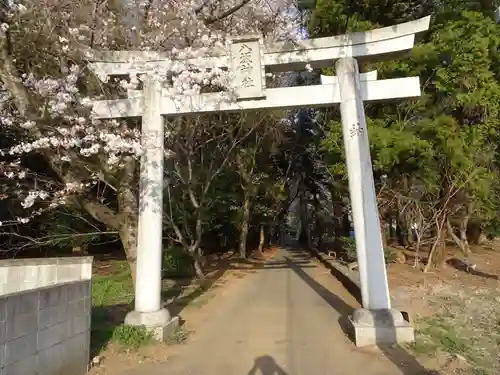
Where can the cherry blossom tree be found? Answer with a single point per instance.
(46, 92)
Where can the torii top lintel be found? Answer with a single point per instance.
(277, 57)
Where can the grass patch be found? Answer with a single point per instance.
(113, 288)
(423, 346)
(441, 334)
(132, 337)
(112, 296)
(466, 324)
(481, 371)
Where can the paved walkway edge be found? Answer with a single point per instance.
(349, 279)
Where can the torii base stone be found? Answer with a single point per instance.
(378, 327)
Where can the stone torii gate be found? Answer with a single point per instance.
(249, 59)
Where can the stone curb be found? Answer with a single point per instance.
(348, 278)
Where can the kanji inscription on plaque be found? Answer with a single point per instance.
(245, 58)
(247, 68)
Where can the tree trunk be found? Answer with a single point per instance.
(125, 223)
(461, 241)
(474, 231)
(244, 225)
(304, 238)
(401, 230)
(197, 267)
(317, 232)
(432, 254)
(195, 249)
(417, 250)
(272, 234)
(409, 233)
(128, 214)
(346, 224)
(392, 229)
(128, 237)
(262, 239)
(436, 255)
(383, 232)
(464, 223)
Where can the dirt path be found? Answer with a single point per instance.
(283, 319)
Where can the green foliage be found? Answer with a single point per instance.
(177, 263)
(349, 248)
(395, 149)
(492, 227)
(132, 336)
(389, 255)
(67, 227)
(115, 288)
(446, 141)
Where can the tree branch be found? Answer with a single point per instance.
(12, 81)
(101, 213)
(226, 13)
(202, 6)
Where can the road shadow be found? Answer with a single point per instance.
(275, 265)
(104, 321)
(334, 301)
(174, 299)
(342, 273)
(266, 365)
(407, 363)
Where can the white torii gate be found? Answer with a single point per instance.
(249, 59)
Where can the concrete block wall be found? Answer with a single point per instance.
(46, 330)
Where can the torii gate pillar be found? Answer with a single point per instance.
(148, 309)
(376, 322)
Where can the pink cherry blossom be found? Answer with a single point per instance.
(48, 104)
